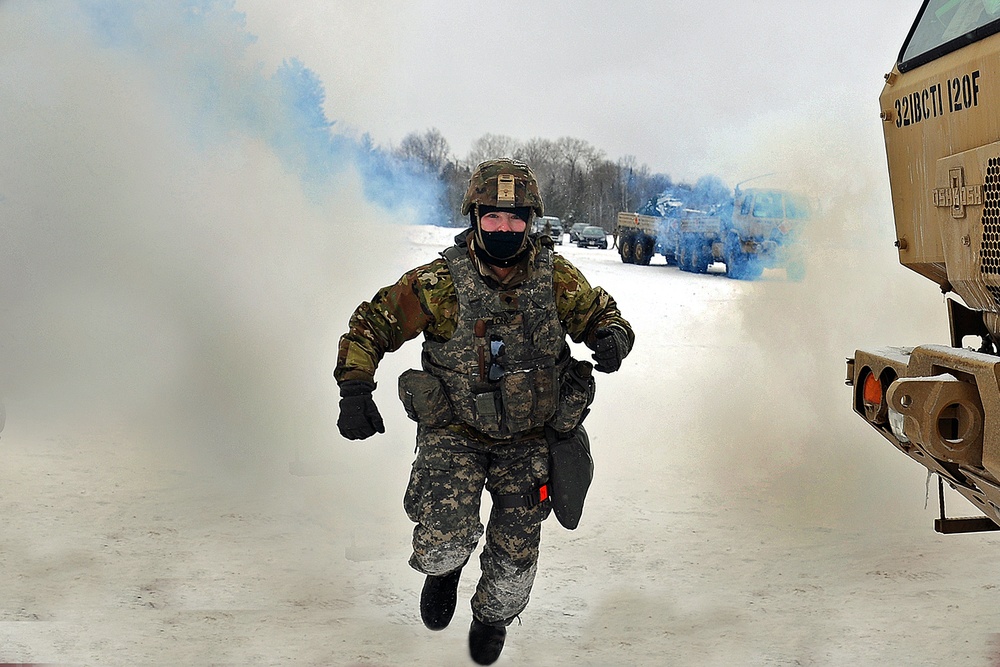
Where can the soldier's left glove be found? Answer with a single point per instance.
(359, 416)
(611, 344)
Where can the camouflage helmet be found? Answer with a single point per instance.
(504, 183)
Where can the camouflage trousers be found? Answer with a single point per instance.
(443, 499)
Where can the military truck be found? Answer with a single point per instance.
(940, 404)
(759, 229)
(762, 231)
(639, 237)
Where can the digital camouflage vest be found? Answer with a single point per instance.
(501, 368)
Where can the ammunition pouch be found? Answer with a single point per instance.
(424, 398)
(528, 398)
(576, 393)
(571, 469)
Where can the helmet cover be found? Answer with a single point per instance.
(503, 183)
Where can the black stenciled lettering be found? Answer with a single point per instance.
(906, 111)
(975, 88)
(923, 102)
(938, 101)
(899, 114)
(918, 109)
(966, 91)
(955, 94)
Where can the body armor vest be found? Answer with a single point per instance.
(502, 366)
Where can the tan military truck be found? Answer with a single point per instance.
(940, 404)
(761, 228)
(639, 237)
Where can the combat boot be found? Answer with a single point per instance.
(437, 599)
(486, 642)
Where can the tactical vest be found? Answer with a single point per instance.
(501, 368)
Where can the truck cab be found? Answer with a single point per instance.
(763, 231)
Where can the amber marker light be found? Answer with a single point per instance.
(872, 392)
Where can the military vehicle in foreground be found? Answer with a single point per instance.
(940, 404)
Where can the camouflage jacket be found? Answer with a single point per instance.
(424, 301)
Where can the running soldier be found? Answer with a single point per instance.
(497, 388)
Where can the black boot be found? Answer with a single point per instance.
(437, 599)
(486, 642)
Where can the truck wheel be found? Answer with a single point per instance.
(685, 259)
(626, 249)
(643, 251)
(699, 260)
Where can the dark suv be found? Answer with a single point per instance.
(593, 237)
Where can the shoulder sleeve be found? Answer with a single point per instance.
(584, 309)
(422, 301)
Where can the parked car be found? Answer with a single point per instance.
(551, 225)
(593, 237)
(576, 230)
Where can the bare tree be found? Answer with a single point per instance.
(491, 146)
(429, 149)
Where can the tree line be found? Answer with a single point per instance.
(578, 182)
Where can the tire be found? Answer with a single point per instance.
(736, 260)
(683, 259)
(643, 250)
(626, 249)
(703, 259)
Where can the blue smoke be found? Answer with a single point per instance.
(203, 44)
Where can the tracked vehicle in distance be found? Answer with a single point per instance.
(940, 404)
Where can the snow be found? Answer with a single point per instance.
(741, 513)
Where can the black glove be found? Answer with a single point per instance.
(359, 417)
(610, 347)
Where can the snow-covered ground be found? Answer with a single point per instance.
(741, 513)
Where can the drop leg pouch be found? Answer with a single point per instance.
(571, 469)
(424, 398)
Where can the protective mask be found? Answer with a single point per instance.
(502, 245)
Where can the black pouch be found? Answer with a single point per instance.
(424, 398)
(571, 469)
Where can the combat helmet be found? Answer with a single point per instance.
(503, 183)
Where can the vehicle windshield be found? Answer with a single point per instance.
(768, 205)
(593, 230)
(943, 21)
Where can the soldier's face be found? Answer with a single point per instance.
(501, 221)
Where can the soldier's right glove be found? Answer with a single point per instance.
(359, 416)
(611, 344)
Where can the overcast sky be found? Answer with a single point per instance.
(682, 86)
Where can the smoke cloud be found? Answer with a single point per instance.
(783, 426)
(183, 233)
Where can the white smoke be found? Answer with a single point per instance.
(174, 261)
